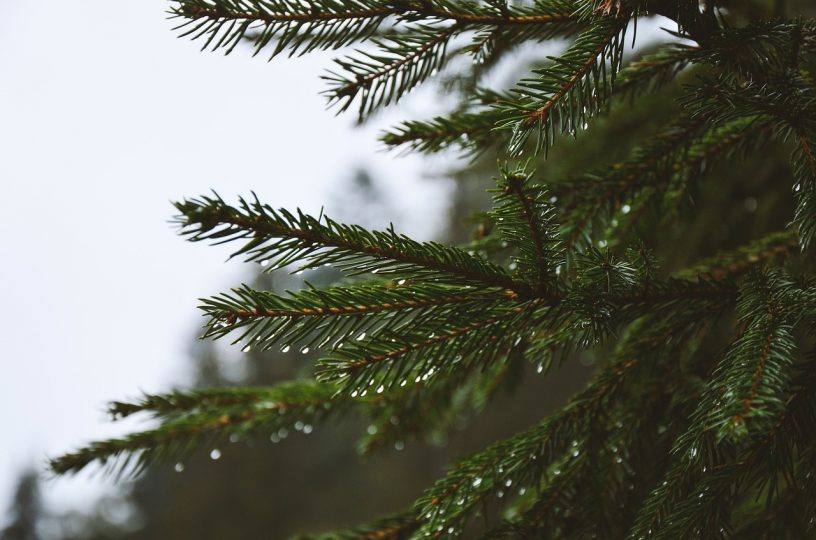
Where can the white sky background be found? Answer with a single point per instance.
(105, 116)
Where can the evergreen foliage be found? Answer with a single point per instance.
(699, 420)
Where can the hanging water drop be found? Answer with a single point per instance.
(178, 467)
(477, 482)
(304, 350)
(215, 454)
(286, 349)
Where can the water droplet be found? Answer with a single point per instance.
(304, 350)
(380, 389)
(286, 349)
(265, 262)
(307, 429)
(361, 336)
(247, 348)
(354, 393)
(375, 270)
(477, 482)
(626, 208)
(404, 382)
(298, 425)
(215, 454)
(283, 433)
(233, 438)
(372, 429)
(508, 482)
(399, 445)
(178, 467)
(401, 282)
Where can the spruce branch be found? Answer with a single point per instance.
(277, 238)
(736, 262)
(526, 221)
(564, 96)
(318, 317)
(302, 27)
(196, 419)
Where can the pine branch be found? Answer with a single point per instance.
(279, 238)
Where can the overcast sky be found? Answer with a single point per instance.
(105, 116)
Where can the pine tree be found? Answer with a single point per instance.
(698, 420)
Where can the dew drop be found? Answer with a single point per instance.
(399, 445)
(401, 282)
(372, 429)
(354, 393)
(308, 429)
(380, 389)
(626, 208)
(247, 348)
(477, 482)
(178, 467)
(265, 262)
(215, 454)
(286, 349)
(361, 336)
(304, 350)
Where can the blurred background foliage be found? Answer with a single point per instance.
(320, 481)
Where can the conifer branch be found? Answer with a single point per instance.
(526, 221)
(563, 97)
(331, 316)
(193, 420)
(279, 238)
